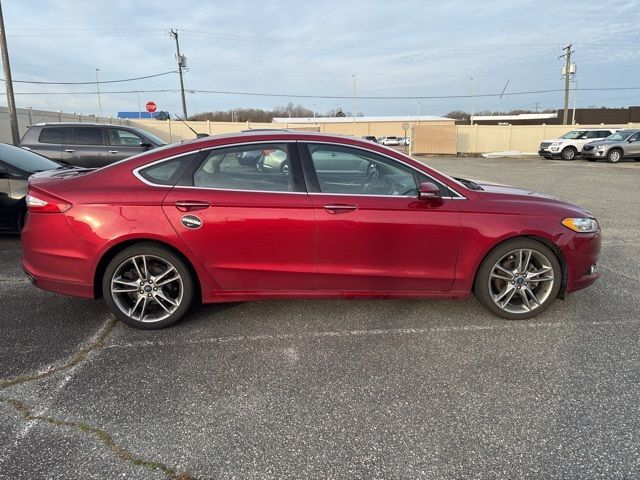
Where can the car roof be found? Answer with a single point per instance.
(78, 124)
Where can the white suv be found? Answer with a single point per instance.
(569, 145)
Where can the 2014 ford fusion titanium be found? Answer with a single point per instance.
(346, 219)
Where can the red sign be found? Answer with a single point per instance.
(151, 107)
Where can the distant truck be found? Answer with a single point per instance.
(569, 145)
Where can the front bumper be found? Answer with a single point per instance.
(581, 254)
(549, 152)
(594, 153)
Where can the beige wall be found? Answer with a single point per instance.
(28, 116)
(174, 130)
(493, 138)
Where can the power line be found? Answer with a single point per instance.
(335, 97)
(93, 83)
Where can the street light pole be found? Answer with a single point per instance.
(98, 90)
(11, 101)
(473, 98)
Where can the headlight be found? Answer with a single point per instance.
(581, 225)
(556, 144)
(600, 147)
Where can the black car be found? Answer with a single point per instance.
(16, 165)
(90, 145)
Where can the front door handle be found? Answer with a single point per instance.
(191, 206)
(340, 208)
(113, 151)
(68, 150)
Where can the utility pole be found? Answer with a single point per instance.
(181, 64)
(567, 78)
(98, 90)
(11, 101)
(537, 104)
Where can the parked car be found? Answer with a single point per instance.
(371, 138)
(403, 141)
(348, 219)
(622, 144)
(16, 165)
(569, 145)
(390, 141)
(90, 145)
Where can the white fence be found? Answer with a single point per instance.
(28, 116)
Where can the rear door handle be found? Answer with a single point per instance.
(113, 151)
(190, 206)
(68, 150)
(340, 208)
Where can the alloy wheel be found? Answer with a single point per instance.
(147, 288)
(521, 281)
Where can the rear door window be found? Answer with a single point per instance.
(87, 136)
(122, 137)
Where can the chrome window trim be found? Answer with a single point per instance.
(136, 171)
(460, 196)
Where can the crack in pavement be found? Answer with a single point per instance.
(25, 411)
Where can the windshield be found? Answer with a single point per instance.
(153, 138)
(620, 136)
(573, 134)
(24, 160)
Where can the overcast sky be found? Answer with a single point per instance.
(394, 48)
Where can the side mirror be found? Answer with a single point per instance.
(144, 144)
(631, 140)
(428, 191)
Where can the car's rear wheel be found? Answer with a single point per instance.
(569, 153)
(519, 279)
(614, 155)
(147, 286)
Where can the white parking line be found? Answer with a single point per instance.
(375, 332)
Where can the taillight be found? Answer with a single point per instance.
(45, 204)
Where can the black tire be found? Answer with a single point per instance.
(612, 157)
(482, 287)
(156, 255)
(568, 153)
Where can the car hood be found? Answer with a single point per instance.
(597, 143)
(507, 193)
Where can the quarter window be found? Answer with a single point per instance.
(53, 135)
(169, 172)
(351, 171)
(87, 136)
(264, 167)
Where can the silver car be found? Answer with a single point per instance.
(622, 144)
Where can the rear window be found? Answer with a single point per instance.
(87, 136)
(53, 135)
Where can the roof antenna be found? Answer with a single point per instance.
(198, 135)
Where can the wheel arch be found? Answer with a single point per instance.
(109, 254)
(547, 243)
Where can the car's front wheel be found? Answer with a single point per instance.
(147, 286)
(614, 155)
(518, 279)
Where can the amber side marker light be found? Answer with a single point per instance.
(581, 225)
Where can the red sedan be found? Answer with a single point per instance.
(310, 216)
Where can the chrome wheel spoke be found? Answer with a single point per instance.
(504, 270)
(504, 293)
(502, 277)
(144, 308)
(166, 299)
(165, 282)
(138, 272)
(164, 274)
(165, 308)
(133, 309)
(531, 293)
(537, 273)
(525, 299)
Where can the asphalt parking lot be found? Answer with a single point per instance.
(338, 389)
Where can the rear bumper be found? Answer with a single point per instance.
(58, 260)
